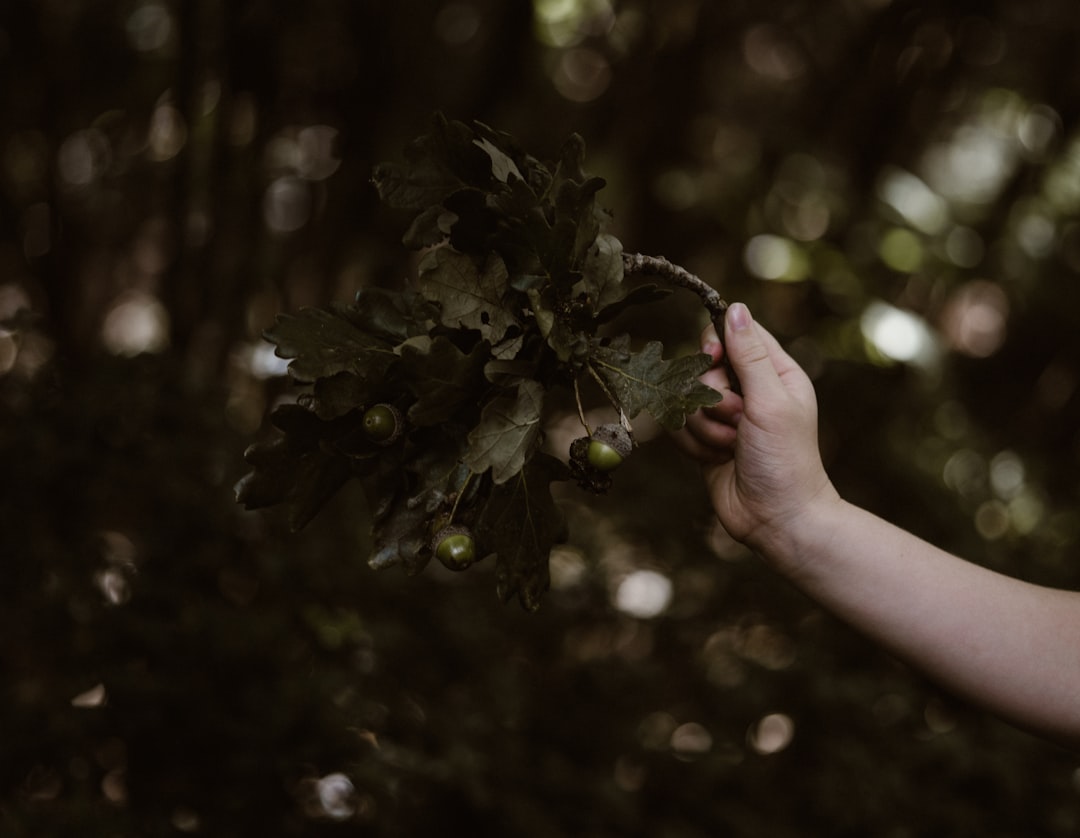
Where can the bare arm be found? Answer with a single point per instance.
(1007, 645)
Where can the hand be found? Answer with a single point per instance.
(759, 450)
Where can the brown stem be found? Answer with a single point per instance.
(661, 268)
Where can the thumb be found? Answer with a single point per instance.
(748, 353)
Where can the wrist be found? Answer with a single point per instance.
(787, 541)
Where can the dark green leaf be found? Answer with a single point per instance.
(669, 390)
(508, 373)
(442, 377)
(567, 343)
(502, 165)
(471, 298)
(602, 272)
(423, 184)
(323, 343)
(438, 164)
(304, 479)
(403, 530)
(337, 395)
(392, 315)
(429, 228)
(319, 475)
(507, 433)
(572, 159)
(640, 295)
(402, 537)
(521, 523)
(272, 479)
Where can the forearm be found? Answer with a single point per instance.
(1008, 645)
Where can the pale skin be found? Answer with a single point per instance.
(1007, 645)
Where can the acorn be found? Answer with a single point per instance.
(383, 423)
(454, 546)
(609, 445)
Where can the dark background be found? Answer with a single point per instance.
(894, 187)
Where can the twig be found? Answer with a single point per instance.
(580, 409)
(661, 268)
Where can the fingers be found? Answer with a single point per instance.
(707, 441)
(755, 355)
(719, 378)
(711, 345)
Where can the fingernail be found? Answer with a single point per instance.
(738, 317)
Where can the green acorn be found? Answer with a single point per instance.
(383, 423)
(454, 546)
(608, 447)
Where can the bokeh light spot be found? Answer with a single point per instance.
(336, 796)
(992, 519)
(691, 740)
(136, 323)
(83, 157)
(287, 204)
(581, 74)
(567, 567)
(643, 594)
(457, 24)
(91, 698)
(770, 53)
(1007, 474)
(775, 257)
(771, 734)
(149, 26)
(975, 317)
(901, 250)
(167, 133)
(916, 202)
(897, 334)
(1038, 130)
(964, 247)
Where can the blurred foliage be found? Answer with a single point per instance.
(894, 187)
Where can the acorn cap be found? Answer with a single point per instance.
(616, 436)
(446, 532)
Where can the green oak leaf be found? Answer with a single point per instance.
(405, 524)
(535, 174)
(319, 476)
(567, 343)
(323, 342)
(295, 469)
(414, 187)
(639, 295)
(577, 221)
(438, 164)
(503, 166)
(430, 227)
(442, 377)
(401, 536)
(643, 380)
(392, 315)
(273, 477)
(602, 273)
(337, 395)
(507, 433)
(521, 522)
(508, 373)
(470, 298)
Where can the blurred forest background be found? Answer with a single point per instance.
(894, 188)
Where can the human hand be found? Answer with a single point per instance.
(759, 450)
